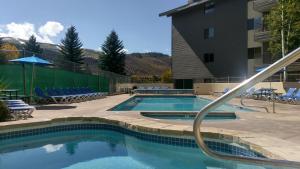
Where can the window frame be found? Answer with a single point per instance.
(209, 33)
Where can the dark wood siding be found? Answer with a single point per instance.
(229, 44)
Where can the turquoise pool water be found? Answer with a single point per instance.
(171, 103)
(103, 149)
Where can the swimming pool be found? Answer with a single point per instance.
(99, 146)
(171, 103)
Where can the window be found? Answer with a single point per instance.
(250, 24)
(184, 84)
(254, 53)
(254, 23)
(209, 7)
(209, 33)
(209, 57)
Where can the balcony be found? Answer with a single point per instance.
(264, 5)
(262, 35)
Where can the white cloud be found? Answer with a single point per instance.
(51, 29)
(52, 148)
(25, 30)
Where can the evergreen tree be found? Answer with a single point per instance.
(71, 46)
(113, 57)
(32, 46)
(1, 42)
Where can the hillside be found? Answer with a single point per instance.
(142, 64)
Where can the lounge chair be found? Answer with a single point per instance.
(296, 98)
(249, 93)
(164, 87)
(59, 97)
(141, 88)
(288, 96)
(43, 98)
(19, 109)
(221, 93)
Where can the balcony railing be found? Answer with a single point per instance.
(262, 35)
(264, 5)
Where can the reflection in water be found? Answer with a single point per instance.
(52, 148)
(71, 147)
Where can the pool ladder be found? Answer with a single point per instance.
(272, 69)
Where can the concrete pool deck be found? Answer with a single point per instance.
(274, 135)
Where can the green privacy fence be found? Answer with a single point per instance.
(11, 75)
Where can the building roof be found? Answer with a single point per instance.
(182, 8)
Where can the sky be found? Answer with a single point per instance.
(136, 21)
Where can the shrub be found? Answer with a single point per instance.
(4, 112)
(167, 76)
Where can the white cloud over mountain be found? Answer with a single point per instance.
(24, 30)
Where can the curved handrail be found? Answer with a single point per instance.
(272, 69)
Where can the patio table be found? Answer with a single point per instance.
(9, 93)
(267, 92)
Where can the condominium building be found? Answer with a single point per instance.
(218, 38)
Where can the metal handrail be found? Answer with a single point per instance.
(277, 66)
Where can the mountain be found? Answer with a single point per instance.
(141, 64)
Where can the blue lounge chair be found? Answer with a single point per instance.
(42, 96)
(286, 97)
(59, 97)
(296, 98)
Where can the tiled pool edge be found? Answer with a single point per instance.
(224, 135)
(214, 145)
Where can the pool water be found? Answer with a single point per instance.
(171, 103)
(102, 149)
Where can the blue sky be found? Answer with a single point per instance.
(136, 21)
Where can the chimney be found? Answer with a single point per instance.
(191, 1)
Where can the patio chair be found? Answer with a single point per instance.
(164, 87)
(42, 97)
(19, 109)
(83, 95)
(288, 96)
(141, 88)
(226, 90)
(249, 93)
(58, 97)
(296, 98)
(98, 94)
(72, 95)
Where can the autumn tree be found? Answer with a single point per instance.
(167, 76)
(283, 22)
(8, 52)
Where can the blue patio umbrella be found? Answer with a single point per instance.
(34, 60)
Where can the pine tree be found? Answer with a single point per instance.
(32, 46)
(71, 46)
(1, 42)
(113, 58)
